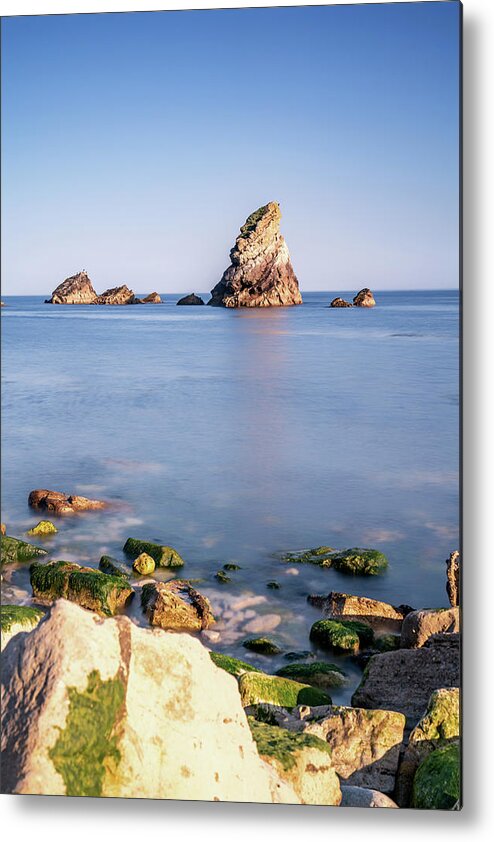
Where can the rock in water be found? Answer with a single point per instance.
(453, 578)
(340, 302)
(116, 295)
(364, 298)
(260, 274)
(77, 289)
(191, 299)
(176, 605)
(120, 711)
(152, 298)
(60, 503)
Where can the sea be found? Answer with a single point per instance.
(237, 435)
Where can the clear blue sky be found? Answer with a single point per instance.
(135, 145)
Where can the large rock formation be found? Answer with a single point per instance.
(191, 299)
(340, 302)
(116, 295)
(260, 274)
(364, 298)
(77, 289)
(104, 708)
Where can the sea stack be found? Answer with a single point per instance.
(77, 289)
(191, 299)
(260, 274)
(364, 298)
(340, 302)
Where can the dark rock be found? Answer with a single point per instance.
(262, 645)
(176, 605)
(163, 555)
(191, 299)
(113, 567)
(364, 298)
(340, 302)
(260, 274)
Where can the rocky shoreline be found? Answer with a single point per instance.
(116, 709)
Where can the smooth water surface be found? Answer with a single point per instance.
(233, 435)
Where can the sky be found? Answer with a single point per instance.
(135, 145)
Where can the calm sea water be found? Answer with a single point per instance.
(233, 435)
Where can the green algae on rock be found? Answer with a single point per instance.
(108, 564)
(163, 555)
(89, 588)
(316, 673)
(222, 577)
(344, 635)
(44, 527)
(262, 645)
(318, 555)
(231, 665)
(387, 642)
(144, 564)
(436, 785)
(359, 562)
(13, 550)
(87, 748)
(17, 618)
(259, 688)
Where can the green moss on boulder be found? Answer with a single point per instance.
(316, 673)
(441, 721)
(231, 665)
(359, 562)
(87, 587)
(387, 642)
(436, 785)
(14, 550)
(258, 688)
(17, 618)
(44, 527)
(114, 567)
(222, 577)
(163, 555)
(144, 564)
(283, 745)
(262, 645)
(341, 635)
(317, 555)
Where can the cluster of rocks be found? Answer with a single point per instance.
(78, 289)
(364, 298)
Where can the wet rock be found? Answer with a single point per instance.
(302, 760)
(176, 605)
(44, 527)
(364, 298)
(453, 578)
(85, 586)
(14, 550)
(315, 673)
(62, 504)
(77, 289)
(436, 785)
(376, 613)
(340, 302)
(17, 618)
(262, 645)
(258, 688)
(144, 564)
(404, 680)
(387, 642)
(355, 561)
(358, 796)
(222, 577)
(108, 564)
(163, 555)
(419, 626)
(191, 299)
(273, 586)
(341, 636)
(317, 555)
(301, 655)
(260, 274)
(232, 665)
(121, 711)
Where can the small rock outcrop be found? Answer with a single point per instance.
(453, 578)
(152, 298)
(119, 711)
(350, 607)
(62, 504)
(340, 302)
(77, 289)
(176, 605)
(260, 274)
(116, 295)
(364, 298)
(191, 299)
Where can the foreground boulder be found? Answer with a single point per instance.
(87, 587)
(302, 760)
(436, 785)
(419, 626)
(77, 289)
(176, 605)
(191, 299)
(163, 555)
(259, 688)
(376, 613)
(62, 504)
(117, 710)
(358, 796)
(364, 298)
(14, 550)
(340, 302)
(260, 274)
(17, 618)
(404, 680)
(365, 744)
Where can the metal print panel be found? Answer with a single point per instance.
(230, 506)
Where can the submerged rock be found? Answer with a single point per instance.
(302, 760)
(404, 680)
(163, 555)
(359, 796)
(436, 785)
(340, 302)
(341, 635)
(176, 605)
(453, 578)
(85, 586)
(356, 561)
(108, 564)
(14, 550)
(144, 564)
(231, 665)
(262, 645)
(364, 298)
(44, 527)
(258, 688)
(315, 673)
(190, 299)
(336, 605)
(77, 289)
(17, 618)
(62, 504)
(260, 274)
(419, 626)
(125, 712)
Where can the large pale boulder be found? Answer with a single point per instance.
(116, 710)
(77, 289)
(419, 626)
